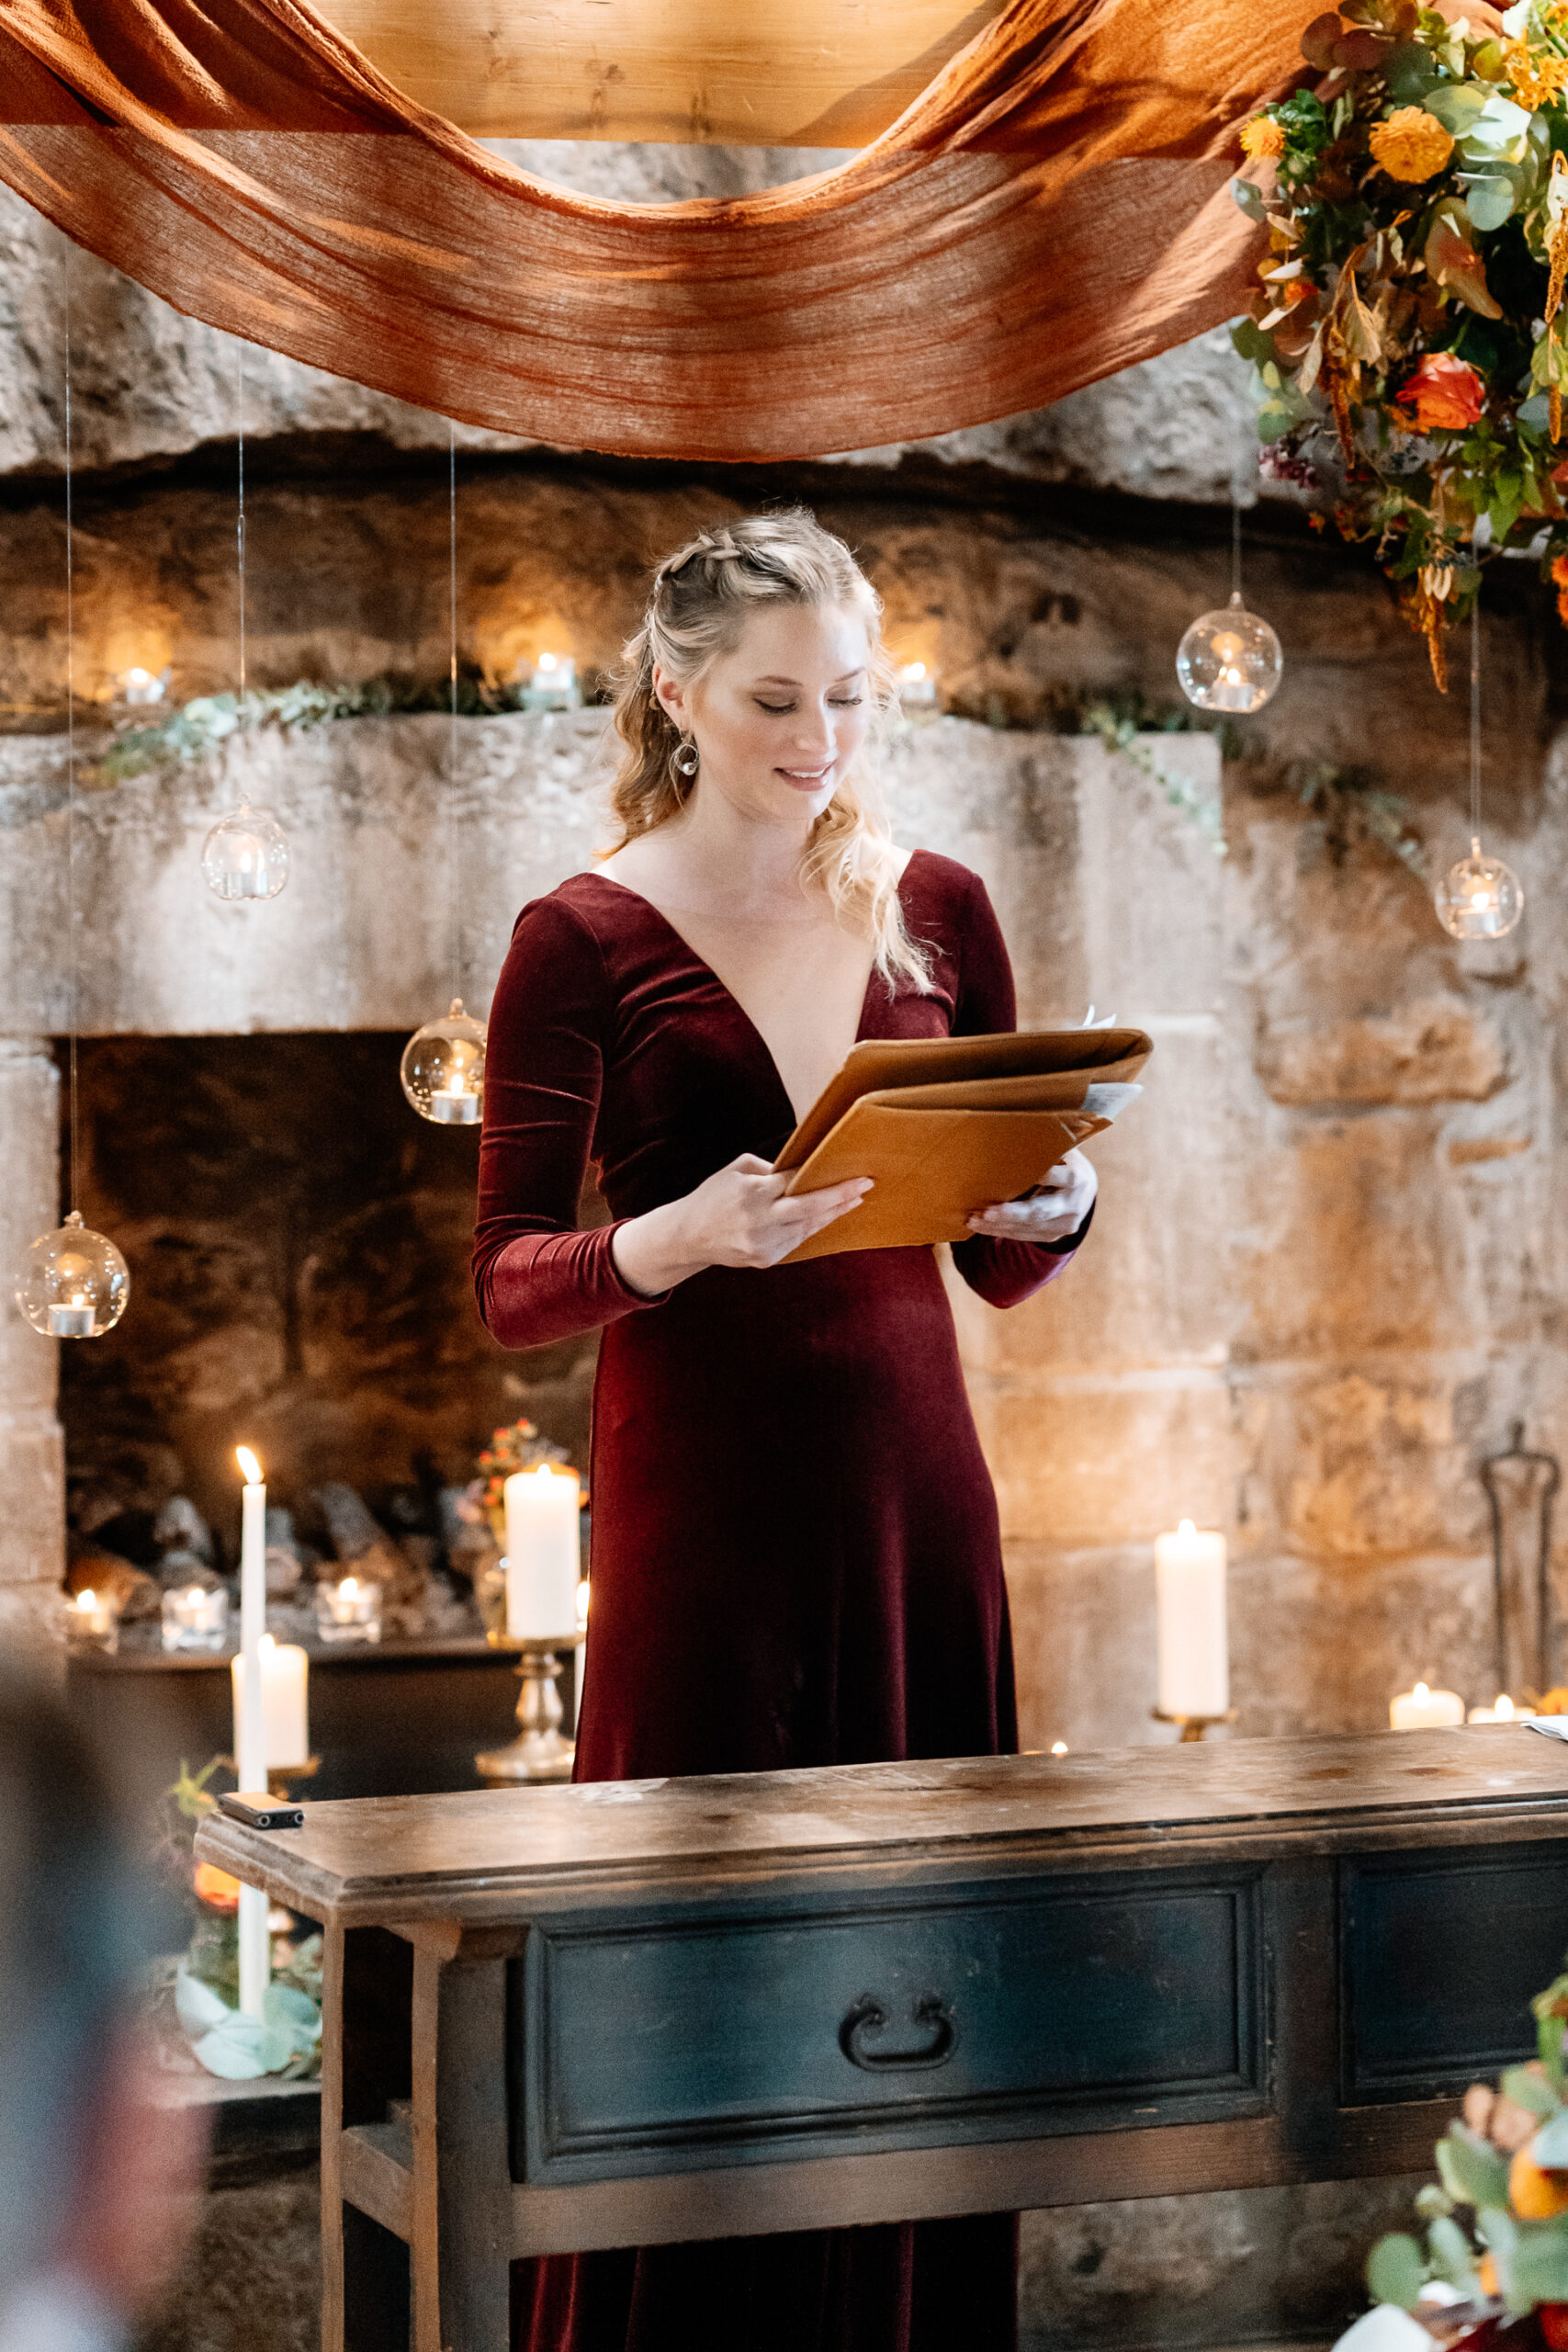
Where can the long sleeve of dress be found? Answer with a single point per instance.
(1003, 1272)
(537, 1277)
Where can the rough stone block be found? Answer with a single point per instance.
(1429, 1051)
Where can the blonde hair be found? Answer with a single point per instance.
(700, 601)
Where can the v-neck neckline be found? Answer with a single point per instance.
(725, 990)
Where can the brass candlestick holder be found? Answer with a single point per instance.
(540, 1752)
(1192, 1726)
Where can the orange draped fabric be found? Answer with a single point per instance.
(1053, 208)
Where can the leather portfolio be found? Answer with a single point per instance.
(947, 1126)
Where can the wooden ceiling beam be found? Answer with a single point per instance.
(815, 73)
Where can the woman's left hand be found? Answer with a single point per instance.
(1051, 1211)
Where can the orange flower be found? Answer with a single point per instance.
(1560, 580)
(1535, 76)
(1412, 145)
(1446, 394)
(216, 1888)
(1262, 139)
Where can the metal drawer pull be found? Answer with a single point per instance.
(869, 2017)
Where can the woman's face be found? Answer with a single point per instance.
(779, 717)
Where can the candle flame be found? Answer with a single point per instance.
(544, 1471)
(1505, 1708)
(1421, 1693)
(1187, 1528)
(249, 1465)
(1058, 1747)
(349, 1588)
(87, 1599)
(549, 661)
(267, 1642)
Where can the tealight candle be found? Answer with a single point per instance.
(349, 1612)
(1194, 1650)
(72, 1321)
(1424, 1710)
(544, 1552)
(1505, 1711)
(92, 1617)
(916, 684)
(196, 1617)
(456, 1106)
(553, 684)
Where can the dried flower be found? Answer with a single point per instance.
(216, 1888)
(1262, 139)
(1446, 394)
(1535, 76)
(1437, 579)
(1412, 145)
(1560, 582)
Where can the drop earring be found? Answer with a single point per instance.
(683, 758)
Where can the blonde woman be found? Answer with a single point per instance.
(795, 1549)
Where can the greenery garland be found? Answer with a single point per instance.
(1408, 334)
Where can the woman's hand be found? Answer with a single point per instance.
(740, 1216)
(1051, 1211)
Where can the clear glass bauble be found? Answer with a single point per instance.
(443, 1069)
(1480, 897)
(73, 1282)
(1229, 659)
(245, 855)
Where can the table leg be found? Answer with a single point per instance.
(332, 2138)
(462, 2178)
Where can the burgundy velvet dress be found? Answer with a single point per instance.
(796, 1553)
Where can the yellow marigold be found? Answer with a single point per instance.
(1262, 139)
(1412, 145)
(1535, 76)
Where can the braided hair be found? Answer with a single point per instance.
(699, 603)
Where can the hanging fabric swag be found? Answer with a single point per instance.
(1053, 207)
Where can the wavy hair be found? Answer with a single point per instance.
(699, 603)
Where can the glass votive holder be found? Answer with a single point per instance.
(196, 1617)
(348, 1611)
(92, 1620)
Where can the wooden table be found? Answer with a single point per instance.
(591, 2016)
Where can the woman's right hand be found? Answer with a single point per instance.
(739, 1217)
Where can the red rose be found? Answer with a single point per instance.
(1446, 394)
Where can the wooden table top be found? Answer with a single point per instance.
(490, 1855)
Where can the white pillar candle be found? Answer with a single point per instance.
(544, 1552)
(1194, 1655)
(250, 1736)
(1424, 1710)
(1505, 1711)
(285, 1706)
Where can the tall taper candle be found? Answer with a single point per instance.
(249, 1723)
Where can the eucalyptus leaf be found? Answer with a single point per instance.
(1452, 2258)
(1540, 2266)
(1529, 2090)
(1250, 201)
(1489, 199)
(1549, 2147)
(1471, 2170)
(1396, 2271)
(1411, 70)
(1456, 105)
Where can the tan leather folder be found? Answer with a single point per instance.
(947, 1126)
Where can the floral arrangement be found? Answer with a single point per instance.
(1495, 2251)
(518, 1447)
(1408, 334)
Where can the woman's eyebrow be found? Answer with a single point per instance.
(843, 676)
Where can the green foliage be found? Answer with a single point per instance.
(1121, 729)
(1527, 2089)
(1396, 2271)
(1471, 2170)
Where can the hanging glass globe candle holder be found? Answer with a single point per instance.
(1480, 897)
(1229, 659)
(246, 854)
(73, 1282)
(443, 1069)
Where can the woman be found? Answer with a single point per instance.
(795, 1550)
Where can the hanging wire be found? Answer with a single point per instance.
(240, 524)
(71, 910)
(453, 901)
(1236, 538)
(1475, 718)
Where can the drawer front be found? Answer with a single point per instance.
(1440, 1954)
(989, 2012)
